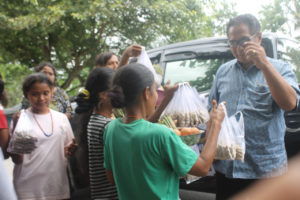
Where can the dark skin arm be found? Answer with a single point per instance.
(168, 95)
(16, 158)
(71, 148)
(4, 138)
(131, 51)
(68, 115)
(110, 176)
(204, 161)
(282, 92)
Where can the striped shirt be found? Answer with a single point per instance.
(100, 187)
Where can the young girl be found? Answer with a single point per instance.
(143, 159)
(42, 173)
(96, 111)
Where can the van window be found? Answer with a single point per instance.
(289, 51)
(200, 72)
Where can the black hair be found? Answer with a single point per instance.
(40, 67)
(98, 81)
(1, 87)
(102, 58)
(128, 83)
(3, 97)
(35, 78)
(247, 19)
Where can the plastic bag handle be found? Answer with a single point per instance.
(224, 108)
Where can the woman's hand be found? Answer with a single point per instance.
(216, 116)
(71, 148)
(133, 50)
(217, 113)
(170, 90)
(16, 158)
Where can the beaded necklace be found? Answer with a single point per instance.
(47, 135)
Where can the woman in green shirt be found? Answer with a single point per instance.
(144, 159)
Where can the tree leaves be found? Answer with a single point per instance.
(71, 33)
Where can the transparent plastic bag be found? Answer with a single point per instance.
(188, 177)
(22, 142)
(187, 107)
(144, 59)
(231, 141)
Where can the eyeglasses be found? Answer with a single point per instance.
(240, 42)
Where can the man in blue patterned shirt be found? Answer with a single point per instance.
(262, 88)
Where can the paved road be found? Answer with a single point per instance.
(192, 195)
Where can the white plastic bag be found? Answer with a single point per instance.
(144, 59)
(231, 141)
(187, 107)
(22, 141)
(188, 177)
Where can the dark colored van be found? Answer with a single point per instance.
(197, 62)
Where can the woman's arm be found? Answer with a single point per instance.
(131, 51)
(110, 176)
(168, 95)
(4, 140)
(204, 161)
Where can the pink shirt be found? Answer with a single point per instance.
(3, 122)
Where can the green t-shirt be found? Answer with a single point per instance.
(146, 159)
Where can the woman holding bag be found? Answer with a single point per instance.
(154, 157)
(41, 173)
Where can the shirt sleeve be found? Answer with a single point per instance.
(290, 77)
(180, 156)
(3, 122)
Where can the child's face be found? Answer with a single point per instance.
(39, 96)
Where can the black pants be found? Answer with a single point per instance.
(227, 187)
(292, 144)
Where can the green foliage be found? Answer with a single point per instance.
(280, 15)
(71, 33)
(13, 76)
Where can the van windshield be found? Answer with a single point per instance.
(199, 72)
